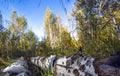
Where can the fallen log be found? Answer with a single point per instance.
(75, 65)
(108, 66)
(17, 68)
(79, 65)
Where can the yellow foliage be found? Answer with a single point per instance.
(81, 13)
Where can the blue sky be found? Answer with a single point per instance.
(34, 11)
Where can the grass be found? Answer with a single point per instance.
(47, 73)
(5, 62)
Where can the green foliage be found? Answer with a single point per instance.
(17, 40)
(97, 31)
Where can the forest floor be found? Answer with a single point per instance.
(5, 62)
